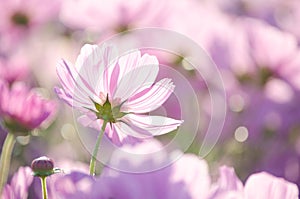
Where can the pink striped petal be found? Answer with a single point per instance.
(136, 73)
(113, 132)
(107, 80)
(76, 89)
(90, 63)
(90, 120)
(147, 125)
(95, 64)
(150, 98)
(116, 135)
(110, 80)
(119, 137)
(124, 129)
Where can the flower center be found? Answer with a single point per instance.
(108, 113)
(20, 19)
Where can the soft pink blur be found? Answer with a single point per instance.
(22, 109)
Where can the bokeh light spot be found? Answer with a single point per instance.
(236, 103)
(241, 134)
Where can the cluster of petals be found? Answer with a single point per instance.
(18, 17)
(122, 15)
(22, 109)
(127, 83)
(19, 185)
(186, 178)
(258, 185)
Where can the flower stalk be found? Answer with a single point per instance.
(44, 187)
(43, 167)
(6, 159)
(96, 148)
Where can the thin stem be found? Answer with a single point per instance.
(44, 187)
(6, 158)
(96, 148)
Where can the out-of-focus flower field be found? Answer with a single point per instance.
(255, 47)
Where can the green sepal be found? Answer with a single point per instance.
(15, 128)
(47, 173)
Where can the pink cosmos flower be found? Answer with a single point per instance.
(283, 14)
(119, 15)
(118, 91)
(267, 39)
(23, 110)
(16, 13)
(18, 17)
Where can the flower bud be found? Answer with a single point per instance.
(42, 166)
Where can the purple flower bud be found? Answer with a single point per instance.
(42, 166)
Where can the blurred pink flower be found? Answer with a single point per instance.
(119, 15)
(117, 92)
(254, 54)
(23, 110)
(19, 16)
(20, 182)
(286, 15)
(14, 69)
(283, 14)
(258, 73)
(259, 185)
(265, 38)
(187, 178)
(264, 185)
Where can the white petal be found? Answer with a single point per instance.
(77, 92)
(122, 134)
(136, 73)
(151, 125)
(125, 130)
(92, 62)
(264, 185)
(90, 120)
(150, 98)
(192, 172)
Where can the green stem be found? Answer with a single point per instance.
(96, 149)
(6, 158)
(44, 187)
